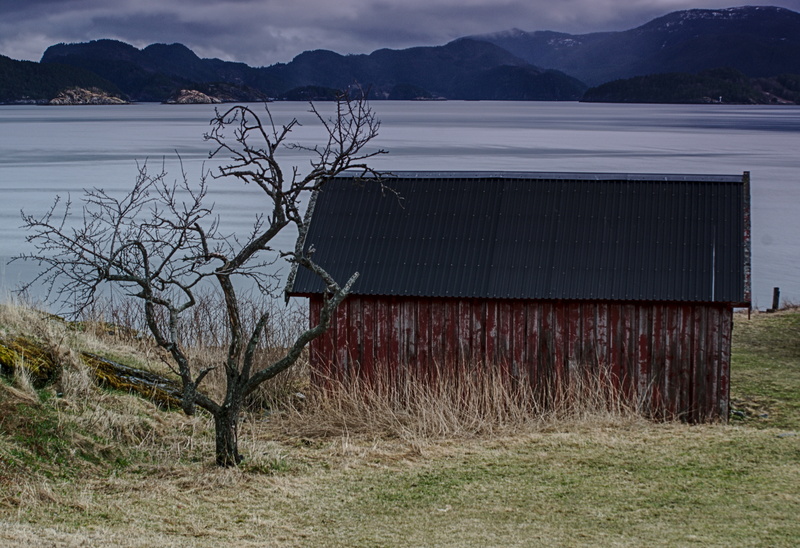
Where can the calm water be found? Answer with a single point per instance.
(46, 151)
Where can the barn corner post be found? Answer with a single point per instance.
(747, 240)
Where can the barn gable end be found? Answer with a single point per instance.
(538, 273)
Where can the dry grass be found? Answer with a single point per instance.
(422, 467)
(655, 485)
(204, 335)
(483, 404)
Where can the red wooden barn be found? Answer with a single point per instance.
(541, 275)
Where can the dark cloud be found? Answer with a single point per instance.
(425, 23)
(262, 32)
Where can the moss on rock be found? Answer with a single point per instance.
(44, 368)
(109, 374)
(38, 361)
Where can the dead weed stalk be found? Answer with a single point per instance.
(482, 403)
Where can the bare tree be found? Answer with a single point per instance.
(160, 243)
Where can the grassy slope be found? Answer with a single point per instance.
(110, 470)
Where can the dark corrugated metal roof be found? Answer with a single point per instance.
(534, 236)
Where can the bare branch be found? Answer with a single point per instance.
(161, 243)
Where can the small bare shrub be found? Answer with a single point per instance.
(203, 335)
(77, 383)
(22, 378)
(32, 494)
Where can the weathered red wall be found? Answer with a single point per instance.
(674, 356)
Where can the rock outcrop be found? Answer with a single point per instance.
(82, 96)
(43, 367)
(191, 97)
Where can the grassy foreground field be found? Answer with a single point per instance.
(97, 468)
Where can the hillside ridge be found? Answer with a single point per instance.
(760, 42)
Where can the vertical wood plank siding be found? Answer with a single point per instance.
(672, 357)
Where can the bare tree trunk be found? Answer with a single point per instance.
(226, 425)
(188, 398)
(159, 243)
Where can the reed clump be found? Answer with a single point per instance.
(483, 402)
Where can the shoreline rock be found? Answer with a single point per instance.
(191, 97)
(82, 96)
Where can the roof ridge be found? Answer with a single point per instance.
(553, 175)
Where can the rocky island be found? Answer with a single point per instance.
(191, 97)
(82, 96)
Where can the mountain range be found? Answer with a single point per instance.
(756, 40)
(758, 47)
(458, 70)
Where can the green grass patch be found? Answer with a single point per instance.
(650, 485)
(663, 486)
(33, 438)
(765, 376)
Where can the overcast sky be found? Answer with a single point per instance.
(264, 32)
